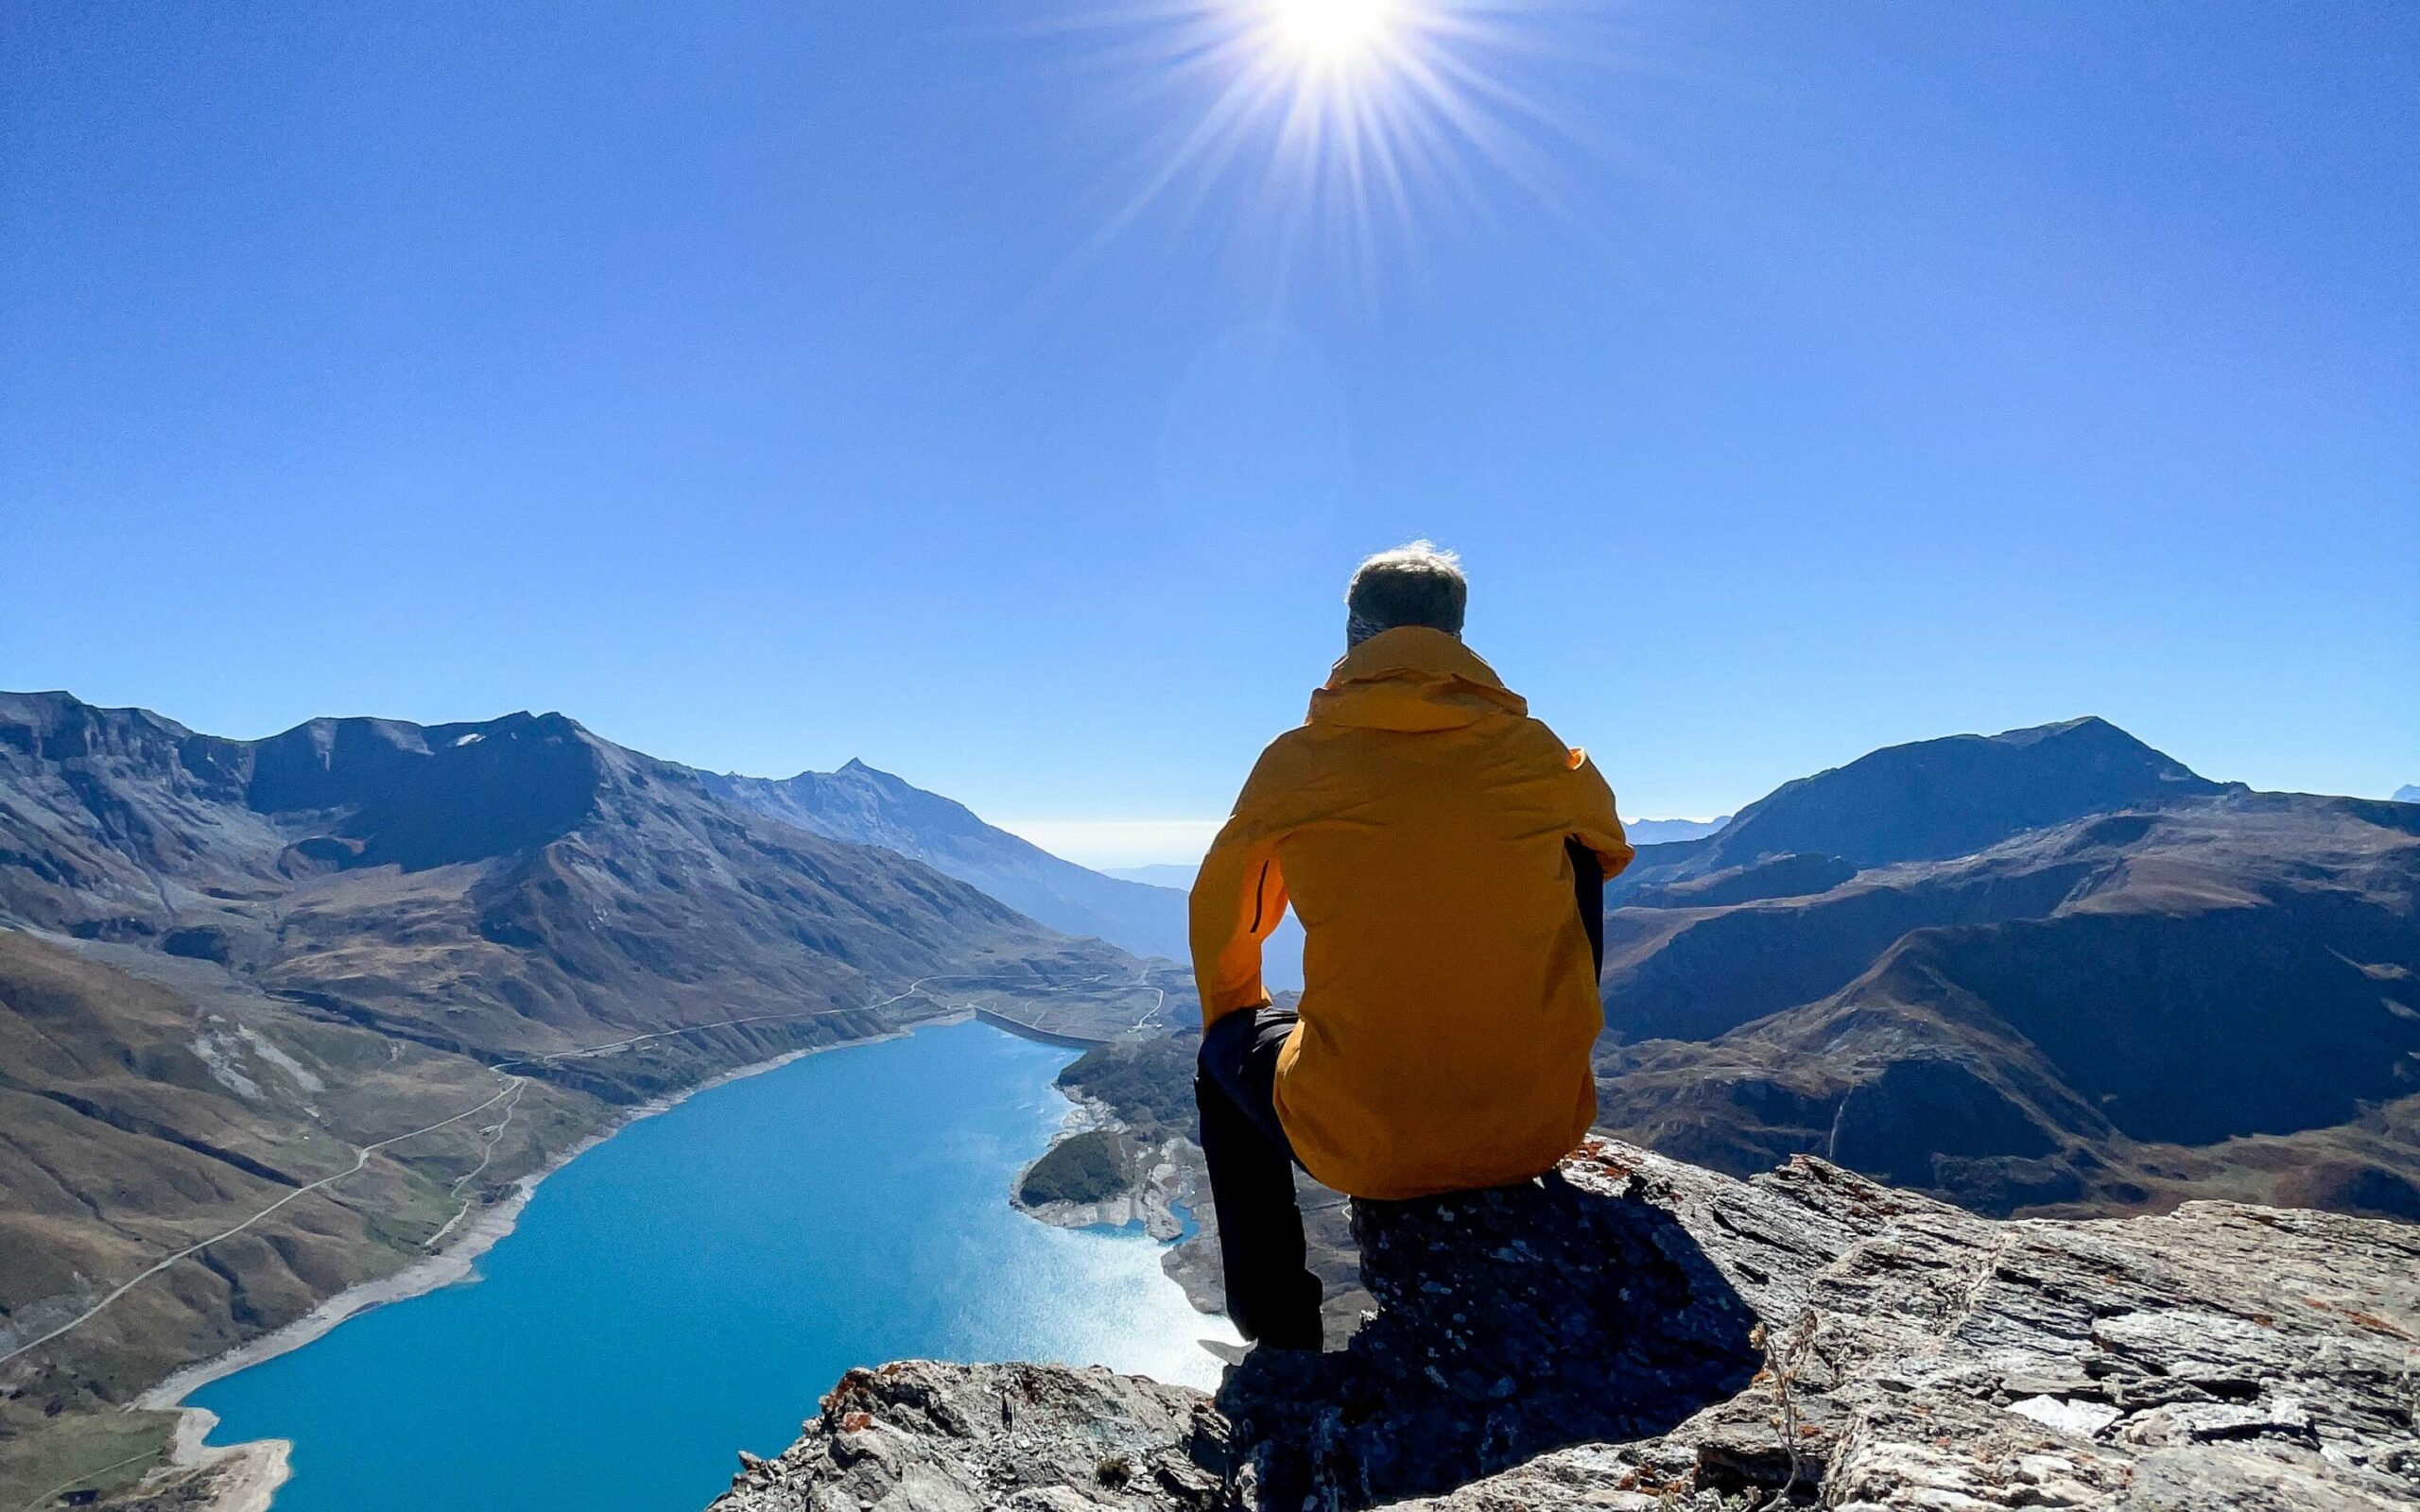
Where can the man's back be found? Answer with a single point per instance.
(1418, 823)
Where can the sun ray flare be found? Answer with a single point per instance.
(1359, 113)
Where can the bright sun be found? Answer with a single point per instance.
(1343, 121)
(1324, 33)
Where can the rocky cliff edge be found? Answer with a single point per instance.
(1634, 1333)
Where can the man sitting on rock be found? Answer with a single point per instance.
(1448, 856)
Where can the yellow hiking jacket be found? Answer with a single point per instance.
(1417, 824)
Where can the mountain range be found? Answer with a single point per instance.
(2408, 795)
(1669, 832)
(2049, 971)
(1159, 874)
(333, 992)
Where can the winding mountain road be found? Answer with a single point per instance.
(360, 1161)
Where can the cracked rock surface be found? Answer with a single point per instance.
(1639, 1333)
(961, 1437)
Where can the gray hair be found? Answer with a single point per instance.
(1414, 584)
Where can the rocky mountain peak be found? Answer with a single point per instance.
(1639, 1333)
(60, 726)
(1934, 799)
(425, 795)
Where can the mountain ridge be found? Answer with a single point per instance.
(2007, 1028)
(226, 966)
(863, 804)
(1938, 799)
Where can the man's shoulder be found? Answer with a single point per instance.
(1536, 740)
(1291, 749)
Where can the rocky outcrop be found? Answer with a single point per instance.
(970, 1437)
(1635, 1332)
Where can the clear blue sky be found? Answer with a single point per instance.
(770, 384)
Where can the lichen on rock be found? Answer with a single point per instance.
(1634, 1333)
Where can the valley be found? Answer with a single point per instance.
(296, 1009)
(673, 1294)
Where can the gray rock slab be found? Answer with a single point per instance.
(1636, 1332)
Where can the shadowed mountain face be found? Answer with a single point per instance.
(869, 807)
(2140, 986)
(226, 967)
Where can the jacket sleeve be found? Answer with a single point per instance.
(1595, 824)
(1238, 897)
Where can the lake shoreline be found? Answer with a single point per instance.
(245, 1476)
(1161, 1184)
(251, 1472)
(1174, 1177)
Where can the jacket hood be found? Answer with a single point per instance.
(1413, 678)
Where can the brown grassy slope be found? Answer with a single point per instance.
(132, 1126)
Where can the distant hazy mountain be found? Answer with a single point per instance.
(1166, 874)
(2408, 795)
(1666, 831)
(1281, 959)
(1641, 832)
(865, 806)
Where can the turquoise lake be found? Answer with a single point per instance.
(691, 1286)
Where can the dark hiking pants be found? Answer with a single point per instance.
(1271, 1295)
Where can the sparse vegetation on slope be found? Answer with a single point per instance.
(1090, 1166)
(1146, 1083)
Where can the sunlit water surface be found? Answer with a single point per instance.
(689, 1287)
